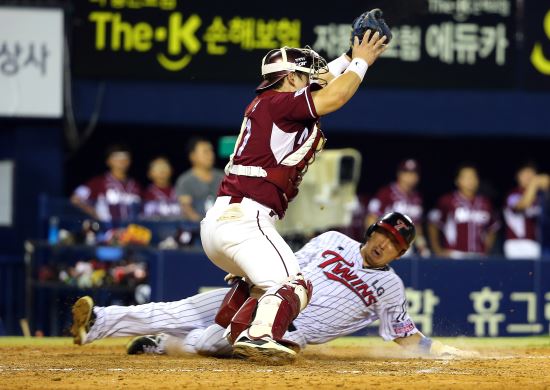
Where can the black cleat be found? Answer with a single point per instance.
(264, 350)
(149, 344)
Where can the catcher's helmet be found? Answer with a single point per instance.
(279, 62)
(399, 225)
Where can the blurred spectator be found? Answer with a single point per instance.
(112, 196)
(401, 196)
(522, 212)
(356, 229)
(465, 219)
(160, 197)
(197, 188)
(545, 226)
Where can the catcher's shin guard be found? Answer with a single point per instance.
(272, 314)
(232, 302)
(242, 319)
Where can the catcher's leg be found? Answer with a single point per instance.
(232, 302)
(259, 326)
(245, 240)
(249, 246)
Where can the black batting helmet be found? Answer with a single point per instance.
(279, 62)
(399, 225)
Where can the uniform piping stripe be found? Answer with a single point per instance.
(274, 247)
(309, 105)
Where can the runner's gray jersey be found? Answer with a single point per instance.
(346, 296)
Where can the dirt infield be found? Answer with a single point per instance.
(349, 363)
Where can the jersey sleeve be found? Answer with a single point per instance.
(375, 206)
(438, 214)
(309, 251)
(392, 311)
(296, 107)
(513, 199)
(89, 191)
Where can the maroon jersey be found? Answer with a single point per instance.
(520, 224)
(464, 222)
(160, 202)
(276, 124)
(391, 198)
(113, 199)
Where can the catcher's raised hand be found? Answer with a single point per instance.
(370, 47)
(370, 20)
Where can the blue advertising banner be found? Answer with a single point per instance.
(478, 298)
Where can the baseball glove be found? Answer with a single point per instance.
(370, 20)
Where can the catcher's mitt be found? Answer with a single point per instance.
(370, 20)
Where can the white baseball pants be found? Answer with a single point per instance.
(241, 239)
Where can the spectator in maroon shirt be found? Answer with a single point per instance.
(522, 212)
(112, 196)
(463, 224)
(401, 196)
(159, 199)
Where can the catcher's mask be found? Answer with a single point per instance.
(279, 62)
(399, 226)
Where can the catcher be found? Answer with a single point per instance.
(279, 138)
(354, 286)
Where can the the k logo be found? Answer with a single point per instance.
(538, 59)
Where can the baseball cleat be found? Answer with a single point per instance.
(83, 319)
(264, 349)
(149, 344)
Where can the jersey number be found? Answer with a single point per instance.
(246, 137)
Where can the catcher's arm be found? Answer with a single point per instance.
(370, 20)
(342, 88)
(421, 344)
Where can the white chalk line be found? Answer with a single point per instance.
(432, 370)
(154, 370)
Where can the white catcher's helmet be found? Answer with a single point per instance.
(279, 62)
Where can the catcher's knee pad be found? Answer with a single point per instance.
(278, 307)
(234, 299)
(303, 289)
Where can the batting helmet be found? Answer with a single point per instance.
(399, 225)
(279, 62)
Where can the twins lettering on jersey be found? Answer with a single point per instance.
(339, 269)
